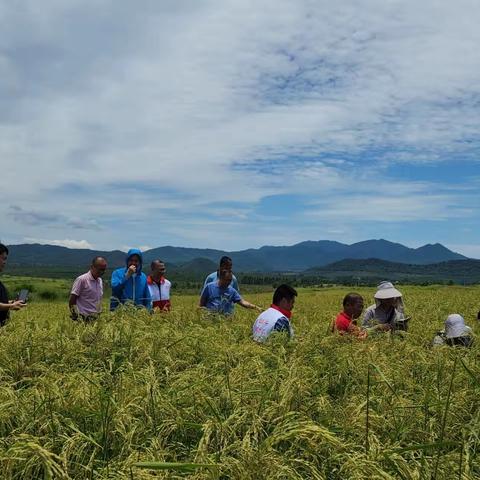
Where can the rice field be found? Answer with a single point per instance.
(181, 395)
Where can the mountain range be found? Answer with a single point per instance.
(372, 269)
(295, 258)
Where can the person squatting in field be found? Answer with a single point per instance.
(220, 296)
(456, 333)
(159, 286)
(85, 302)
(346, 321)
(387, 312)
(277, 317)
(5, 304)
(129, 284)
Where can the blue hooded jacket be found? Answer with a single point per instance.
(124, 289)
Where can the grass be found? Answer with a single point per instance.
(183, 396)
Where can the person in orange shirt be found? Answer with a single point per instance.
(346, 321)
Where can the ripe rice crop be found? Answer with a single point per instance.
(181, 395)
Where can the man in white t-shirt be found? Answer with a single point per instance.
(159, 286)
(277, 317)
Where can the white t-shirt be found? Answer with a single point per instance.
(162, 293)
(268, 321)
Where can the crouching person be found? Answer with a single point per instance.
(346, 321)
(277, 317)
(456, 333)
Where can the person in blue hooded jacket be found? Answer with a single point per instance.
(130, 283)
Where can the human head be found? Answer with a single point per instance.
(134, 257)
(158, 269)
(226, 263)
(224, 277)
(455, 326)
(98, 267)
(353, 304)
(134, 260)
(3, 255)
(387, 295)
(284, 297)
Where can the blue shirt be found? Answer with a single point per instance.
(213, 277)
(219, 299)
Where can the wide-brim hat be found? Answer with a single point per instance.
(386, 290)
(455, 326)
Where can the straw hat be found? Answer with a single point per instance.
(455, 326)
(386, 290)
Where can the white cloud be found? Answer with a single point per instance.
(472, 251)
(220, 101)
(62, 243)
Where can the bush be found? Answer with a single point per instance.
(25, 286)
(48, 295)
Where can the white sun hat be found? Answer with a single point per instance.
(386, 290)
(455, 326)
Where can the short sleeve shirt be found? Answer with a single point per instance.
(343, 322)
(220, 299)
(213, 277)
(89, 292)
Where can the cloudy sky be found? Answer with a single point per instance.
(236, 123)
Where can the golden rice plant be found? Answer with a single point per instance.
(183, 395)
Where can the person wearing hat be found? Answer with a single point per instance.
(387, 312)
(455, 333)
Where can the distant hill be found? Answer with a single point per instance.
(293, 258)
(311, 253)
(51, 255)
(202, 266)
(458, 271)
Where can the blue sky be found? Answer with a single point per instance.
(234, 124)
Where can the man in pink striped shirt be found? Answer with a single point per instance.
(85, 301)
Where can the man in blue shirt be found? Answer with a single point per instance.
(220, 296)
(225, 264)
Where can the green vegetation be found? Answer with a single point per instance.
(136, 396)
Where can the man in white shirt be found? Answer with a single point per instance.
(277, 317)
(159, 286)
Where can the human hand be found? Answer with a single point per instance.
(384, 327)
(17, 305)
(131, 270)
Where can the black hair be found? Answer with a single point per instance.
(351, 298)
(95, 259)
(3, 249)
(154, 262)
(224, 260)
(283, 291)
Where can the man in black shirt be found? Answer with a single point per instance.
(5, 304)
